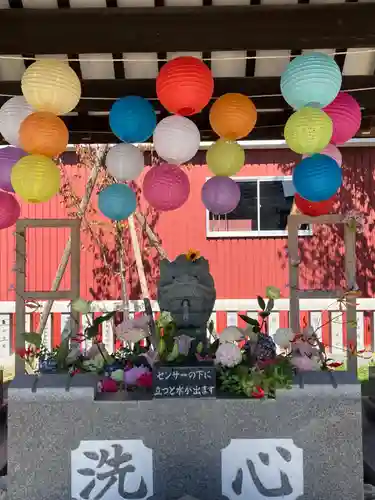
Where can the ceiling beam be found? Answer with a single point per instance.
(251, 86)
(253, 27)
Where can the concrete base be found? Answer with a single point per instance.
(306, 444)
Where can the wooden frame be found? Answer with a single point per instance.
(294, 221)
(174, 29)
(21, 294)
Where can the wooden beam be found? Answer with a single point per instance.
(252, 86)
(102, 30)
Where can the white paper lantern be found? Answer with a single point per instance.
(125, 162)
(176, 139)
(12, 114)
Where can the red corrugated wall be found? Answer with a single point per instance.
(242, 268)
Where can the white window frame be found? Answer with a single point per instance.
(254, 234)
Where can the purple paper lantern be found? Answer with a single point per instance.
(10, 210)
(221, 195)
(8, 157)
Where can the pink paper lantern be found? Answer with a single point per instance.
(221, 195)
(166, 187)
(345, 114)
(332, 151)
(10, 210)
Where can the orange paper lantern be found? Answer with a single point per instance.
(233, 116)
(184, 85)
(44, 133)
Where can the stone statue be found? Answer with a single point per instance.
(186, 289)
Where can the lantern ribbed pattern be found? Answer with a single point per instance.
(132, 119)
(225, 158)
(166, 187)
(332, 151)
(10, 210)
(117, 201)
(308, 131)
(12, 114)
(317, 178)
(125, 162)
(221, 195)
(345, 113)
(176, 139)
(233, 116)
(43, 133)
(311, 80)
(314, 208)
(184, 85)
(8, 158)
(35, 178)
(51, 85)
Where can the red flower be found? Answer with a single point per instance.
(145, 380)
(74, 372)
(25, 353)
(335, 364)
(258, 393)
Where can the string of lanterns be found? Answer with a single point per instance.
(324, 117)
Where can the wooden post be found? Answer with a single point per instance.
(20, 288)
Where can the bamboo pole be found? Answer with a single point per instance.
(68, 247)
(153, 239)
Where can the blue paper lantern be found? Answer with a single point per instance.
(132, 119)
(117, 201)
(317, 177)
(311, 80)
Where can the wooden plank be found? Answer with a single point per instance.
(174, 29)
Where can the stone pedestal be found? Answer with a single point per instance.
(64, 445)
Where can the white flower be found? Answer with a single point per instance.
(305, 364)
(283, 337)
(133, 330)
(231, 334)
(228, 355)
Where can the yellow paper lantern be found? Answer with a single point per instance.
(51, 85)
(225, 158)
(308, 131)
(35, 178)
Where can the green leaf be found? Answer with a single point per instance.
(264, 314)
(270, 305)
(249, 321)
(211, 327)
(33, 338)
(62, 354)
(92, 331)
(105, 317)
(273, 292)
(261, 302)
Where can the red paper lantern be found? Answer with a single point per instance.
(185, 85)
(314, 208)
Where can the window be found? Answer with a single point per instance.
(263, 210)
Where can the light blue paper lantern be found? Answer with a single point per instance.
(132, 119)
(117, 201)
(311, 80)
(317, 177)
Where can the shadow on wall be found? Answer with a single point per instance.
(322, 255)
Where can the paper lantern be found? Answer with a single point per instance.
(43, 133)
(125, 162)
(345, 113)
(221, 195)
(314, 208)
(10, 210)
(311, 80)
(332, 151)
(166, 187)
(35, 178)
(9, 156)
(132, 119)
(176, 139)
(225, 158)
(117, 201)
(12, 114)
(51, 85)
(308, 130)
(317, 178)
(184, 85)
(233, 116)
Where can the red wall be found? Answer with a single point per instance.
(242, 268)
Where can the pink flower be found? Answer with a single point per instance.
(107, 385)
(145, 380)
(305, 364)
(131, 376)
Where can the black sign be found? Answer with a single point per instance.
(184, 382)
